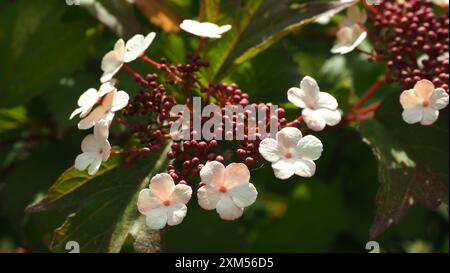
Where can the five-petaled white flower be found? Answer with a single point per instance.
(290, 153)
(95, 148)
(349, 38)
(320, 108)
(351, 33)
(137, 45)
(164, 202)
(113, 101)
(227, 190)
(204, 29)
(122, 53)
(423, 102)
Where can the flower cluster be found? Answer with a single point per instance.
(209, 162)
(412, 38)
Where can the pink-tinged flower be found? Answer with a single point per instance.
(96, 149)
(320, 108)
(423, 102)
(112, 102)
(164, 203)
(290, 153)
(227, 190)
(137, 45)
(351, 33)
(113, 61)
(349, 38)
(90, 98)
(205, 29)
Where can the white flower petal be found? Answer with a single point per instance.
(208, 197)
(313, 119)
(95, 165)
(76, 112)
(213, 173)
(326, 100)
(297, 97)
(268, 148)
(82, 161)
(305, 168)
(236, 174)
(91, 145)
(413, 114)
(408, 99)
(429, 116)
(176, 214)
(106, 150)
(162, 185)
(137, 45)
(227, 209)
(181, 194)
(147, 201)
(157, 218)
(439, 99)
(97, 114)
(310, 147)
(424, 89)
(101, 130)
(310, 89)
(243, 195)
(113, 61)
(105, 88)
(205, 29)
(120, 100)
(348, 38)
(283, 169)
(288, 137)
(331, 117)
(88, 98)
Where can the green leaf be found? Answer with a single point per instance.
(12, 118)
(70, 181)
(106, 206)
(46, 42)
(412, 162)
(256, 26)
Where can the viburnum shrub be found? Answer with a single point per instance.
(201, 120)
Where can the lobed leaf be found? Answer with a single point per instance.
(412, 163)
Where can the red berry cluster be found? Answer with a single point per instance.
(154, 103)
(405, 31)
(190, 155)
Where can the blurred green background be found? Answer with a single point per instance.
(50, 53)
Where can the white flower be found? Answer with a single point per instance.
(164, 203)
(291, 154)
(112, 102)
(137, 45)
(90, 98)
(351, 33)
(423, 102)
(354, 16)
(349, 38)
(95, 148)
(113, 61)
(227, 190)
(320, 108)
(205, 29)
